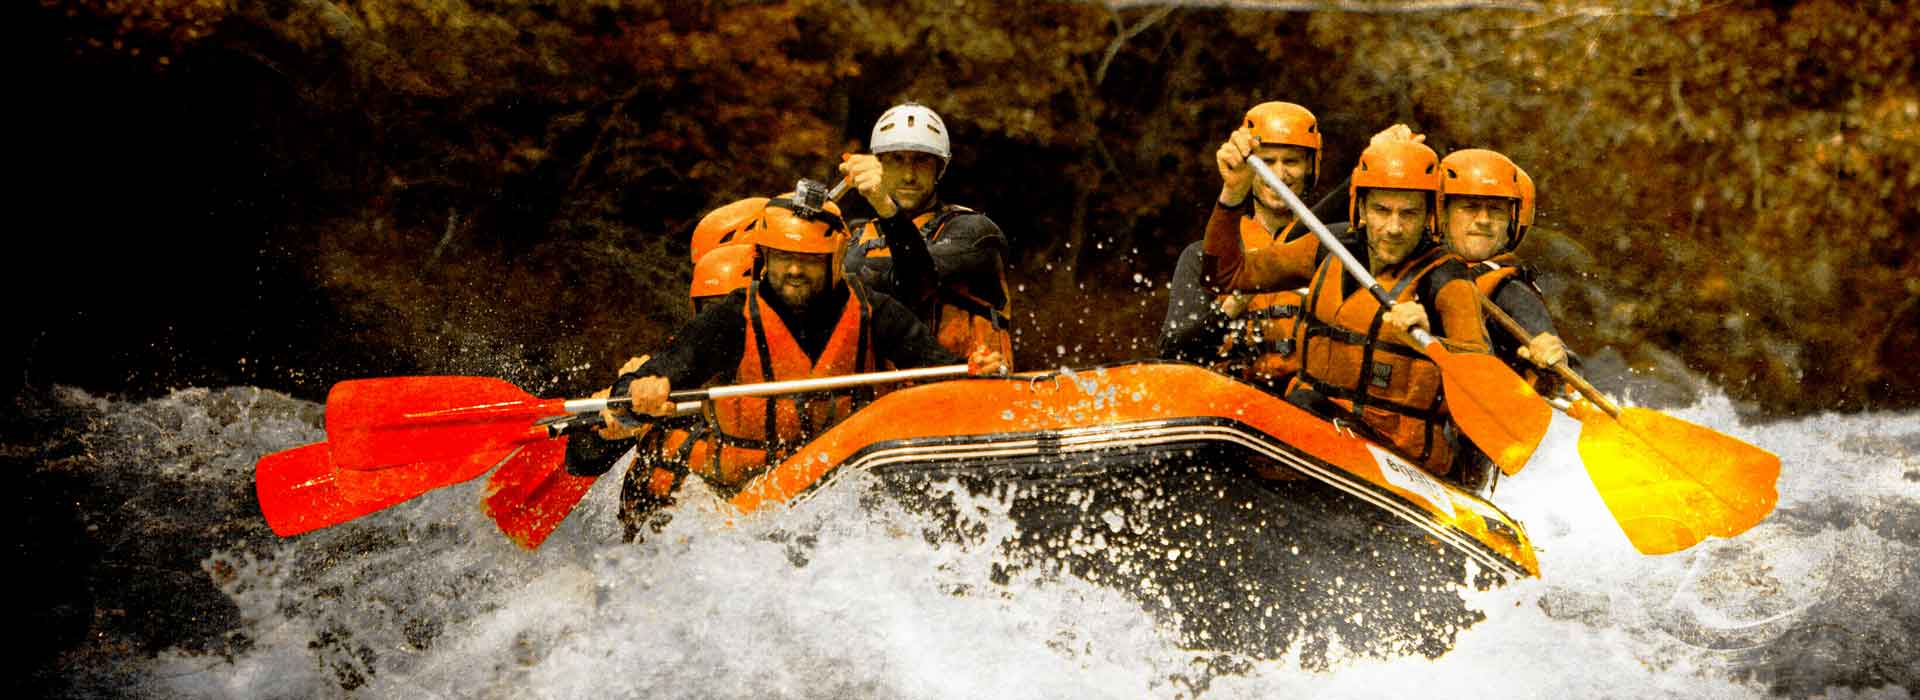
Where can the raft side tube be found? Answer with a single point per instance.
(1066, 425)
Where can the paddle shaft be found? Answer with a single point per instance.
(792, 386)
(1353, 266)
(1586, 389)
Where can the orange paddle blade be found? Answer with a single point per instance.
(374, 423)
(1494, 407)
(300, 490)
(1671, 483)
(532, 493)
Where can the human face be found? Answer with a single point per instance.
(797, 277)
(1396, 219)
(1292, 164)
(910, 176)
(1477, 226)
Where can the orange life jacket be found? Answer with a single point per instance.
(1262, 345)
(664, 461)
(754, 433)
(963, 319)
(660, 465)
(1394, 389)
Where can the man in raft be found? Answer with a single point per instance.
(799, 318)
(662, 455)
(1486, 204)
(725, 225)
(1252, 336)
(1359, 366)
(945, 262)
(1486, 207)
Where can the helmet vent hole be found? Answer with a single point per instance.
(887, 127)
(909, 121)
(932, 128)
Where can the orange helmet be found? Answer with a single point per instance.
(1286, 124)
(725, 225)
(1482, 173)
(1396, 165)
(1527, 205)
(784, 225)
(722, 270)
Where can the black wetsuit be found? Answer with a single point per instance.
(971, 252)
(1194, 328)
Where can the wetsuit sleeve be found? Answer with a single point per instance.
(858, 266)
(1227, 265)
(900, 337)
(710, 345)
(1190, 331)
(912, 277)
(1525, 306)
(971, 249)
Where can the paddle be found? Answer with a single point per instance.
(300, 490)
(1493, 406)
(533, 492)
(1668, 482)
(328, 483)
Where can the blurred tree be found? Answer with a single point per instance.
(505, 186)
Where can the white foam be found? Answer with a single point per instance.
(843, 596)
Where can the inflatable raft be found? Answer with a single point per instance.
(1141, 418)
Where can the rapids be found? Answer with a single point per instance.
(150, 542)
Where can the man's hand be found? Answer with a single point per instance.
(1397, 132)
(1234, 303)
(1405, 316)
(650, 396)
(620, 423)
(868, 176)
(1236, 177)
(984, 362)
(1545, 350)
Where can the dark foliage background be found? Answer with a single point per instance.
(290, 193)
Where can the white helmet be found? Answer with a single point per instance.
(910, 126)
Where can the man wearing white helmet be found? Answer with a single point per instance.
(944, 261)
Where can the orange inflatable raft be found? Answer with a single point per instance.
(1144, 416)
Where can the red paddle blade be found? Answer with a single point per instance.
(301, 491)
(374, 423)
(1494, 407)
(532, 493)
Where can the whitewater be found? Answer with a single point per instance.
(849, 594)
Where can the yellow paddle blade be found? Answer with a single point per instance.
(1671, 483)
(1494, 407)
